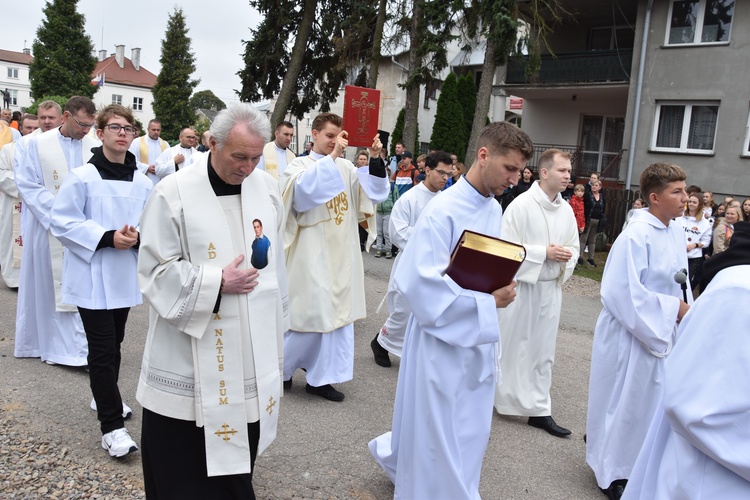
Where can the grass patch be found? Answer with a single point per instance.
(594, 273)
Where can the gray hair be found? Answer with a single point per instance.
(236, 113)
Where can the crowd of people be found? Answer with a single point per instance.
(248, 259)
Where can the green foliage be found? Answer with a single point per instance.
(173, 85)
(206, 99)
(449, 130)
(57, 98)
(398, 132)
(467, 98)
(200, 125)
(63, 62)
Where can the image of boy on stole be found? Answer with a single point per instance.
(260, 246)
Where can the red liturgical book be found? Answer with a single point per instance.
(361, 113)
(483, 263)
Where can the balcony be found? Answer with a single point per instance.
(601, 66)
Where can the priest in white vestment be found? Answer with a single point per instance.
(178, 156)
(636, 329)
(46, 327)
(404, 216)
(544, 223)
(10, 207)
(697, 446)
(95, 216)
(210, 382)
(326, 197)
(147, 149)
(276, 154)
(446, 381)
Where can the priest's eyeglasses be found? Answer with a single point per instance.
(442, 174)
(115, 129)
(84, 125)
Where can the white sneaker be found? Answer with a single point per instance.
(127, 412)
(118, 443)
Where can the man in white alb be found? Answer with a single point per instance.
(211, 377)
(404, 215)
(45, 326)
(326, 197)
(541, 221)
(147, 149)
(276, 154)
(178, 156)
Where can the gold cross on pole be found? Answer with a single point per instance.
(271, 404)
(224, 434)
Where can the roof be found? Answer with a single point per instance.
(15, 57)
(127, 75)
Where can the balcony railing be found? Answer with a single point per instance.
(575, 67)
(609, 171)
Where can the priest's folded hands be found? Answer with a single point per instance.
(235, 280)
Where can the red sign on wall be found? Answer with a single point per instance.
(516, 103)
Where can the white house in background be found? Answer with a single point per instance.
(14, 78)
(122, 81)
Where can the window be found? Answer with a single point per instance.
(13, 73)
(611, 37)
(699, 21)
(13, 97)
(137, 103)
(746, 144)
(117, 99)
(685, 127)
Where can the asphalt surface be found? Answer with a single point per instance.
(321, 447)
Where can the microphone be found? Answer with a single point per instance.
(680, 277)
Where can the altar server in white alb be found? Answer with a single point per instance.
(636, 329)
(10, 206)
(148, 148)
(210, 383)
(46, 326)
(403, 218)
(178, 156)
(697, 446)
(326, 197)
(544, 223)
(446, 381)
(95, 215)
(276, 154)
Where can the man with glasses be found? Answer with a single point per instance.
(101, 255)
(404, 217)
(178, 156)
(45, 326)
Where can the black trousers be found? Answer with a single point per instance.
(173, 454)
(105, 331)
(695, 267)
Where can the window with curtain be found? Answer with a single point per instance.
(685, 127)
(699, 21)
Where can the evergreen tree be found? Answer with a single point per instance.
(467, 97)
(206, 99)
(398, 132)
(446, 136)
(173, 85)
(63, 62)
(57, 98)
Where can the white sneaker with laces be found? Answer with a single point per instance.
(127, 412)
(118, 443)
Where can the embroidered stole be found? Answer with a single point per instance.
(222, 386)
(143, 148)
(54, 164)
(271, 159)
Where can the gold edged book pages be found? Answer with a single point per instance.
(483, 263)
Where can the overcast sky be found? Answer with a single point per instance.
(217, 28)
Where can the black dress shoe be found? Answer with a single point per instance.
(287, 384)
(325, 391)
(591, 262)
(381, 355)
(616, 489)
(548, 424)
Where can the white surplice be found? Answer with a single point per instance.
(325, 201)
(446, 381)
(9, 204)
(41, 329)
(199, 365)
(529, 324)
(153, 149)
(165, 164)
(698, 447)
(87, 207)
(634, 334)
(404, 215)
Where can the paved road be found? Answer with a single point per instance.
(321, 450)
